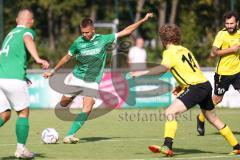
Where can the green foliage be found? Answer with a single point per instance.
(191, 38)
(154, 55)
(198, 25)
(199, 22)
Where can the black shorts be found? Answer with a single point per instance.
(222, 83)
(198, 94)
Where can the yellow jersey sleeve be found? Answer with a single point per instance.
(167, 59)
(228, 64)
(219, 40)
(183, 66)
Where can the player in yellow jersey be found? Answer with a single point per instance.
(226, 46)
(196, 89)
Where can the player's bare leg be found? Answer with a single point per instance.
(217, 99)
(213, 119)
(224, 130)
(4, 117)
(88, 103)
(22, 129)
(23, 113)
(65, 100)
(177, 107)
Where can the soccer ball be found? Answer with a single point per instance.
(50, 136)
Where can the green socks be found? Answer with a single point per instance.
(78, 123)
(1, 122)
(22, 128)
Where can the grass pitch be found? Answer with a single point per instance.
(123, 134)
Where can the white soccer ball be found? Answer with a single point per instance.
(50, 136)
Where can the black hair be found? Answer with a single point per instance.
(230, 14)
(86, 22)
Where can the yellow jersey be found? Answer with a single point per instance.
(228, 64)
(183, 66)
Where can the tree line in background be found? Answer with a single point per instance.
(57, 22)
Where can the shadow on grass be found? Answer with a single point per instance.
(182, 151)
(94, 139)
(37, 155)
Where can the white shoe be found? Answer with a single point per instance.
(24, 153)
(71, 139)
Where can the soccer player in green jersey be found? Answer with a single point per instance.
(16, 49)
(226, 46)
(196, 89)
(90, 52)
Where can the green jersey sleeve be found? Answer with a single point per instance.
(30, 32)
(109, 38)
(73, 49)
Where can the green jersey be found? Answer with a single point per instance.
(14, 55)
(90, 56)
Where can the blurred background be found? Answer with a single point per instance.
(57, 23)
(57, 26)
(124, 132)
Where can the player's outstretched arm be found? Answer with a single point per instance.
(128, 30)
(64, 60)
(31, 47)
(221, 52)
(153, 71)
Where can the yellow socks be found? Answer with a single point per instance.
(228, 135)
(170, 129)
(201, 117)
